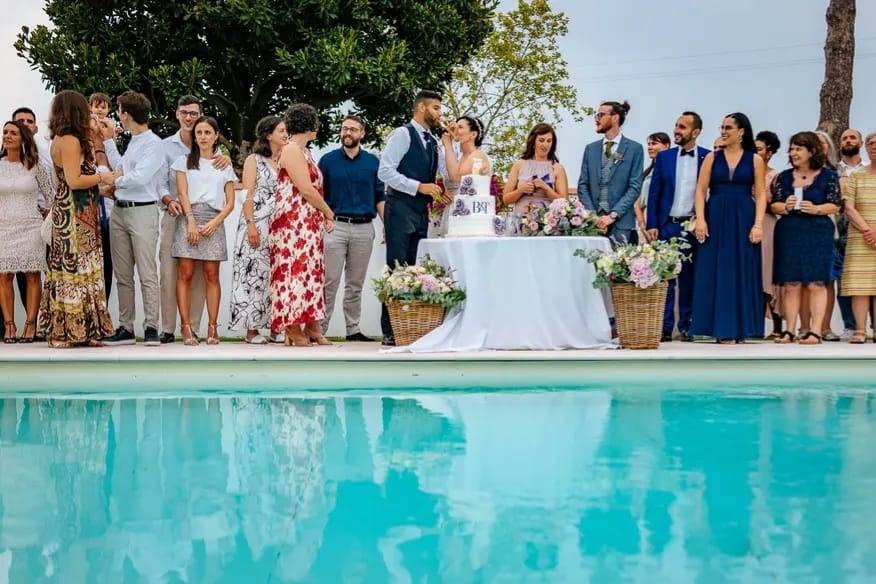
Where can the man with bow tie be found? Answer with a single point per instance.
(408, 168)
(611, 173)
(670, 206)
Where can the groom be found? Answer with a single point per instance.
(408, 168)
(670, 205)
(611, 173)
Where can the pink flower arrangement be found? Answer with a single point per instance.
(566, 216)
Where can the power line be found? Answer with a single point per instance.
(707, 70)
(711, 54)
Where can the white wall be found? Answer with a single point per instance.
(370, 323)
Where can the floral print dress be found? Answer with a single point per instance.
(252, 266)
(296, 252)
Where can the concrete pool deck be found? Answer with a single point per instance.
(236, 367)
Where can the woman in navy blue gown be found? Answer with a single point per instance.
(728, 293)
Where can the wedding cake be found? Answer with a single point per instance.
(473, 209)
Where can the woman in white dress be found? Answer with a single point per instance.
(22, 177)
(468, 133)
(252, 263)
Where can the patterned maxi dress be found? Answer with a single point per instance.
(73, 305)
(296, 251)
(252, 266)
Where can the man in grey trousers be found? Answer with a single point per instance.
(356, 196)
(134, 220)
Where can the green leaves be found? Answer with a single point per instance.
(517, 79)
(251, 58)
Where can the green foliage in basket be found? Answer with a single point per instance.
(644, 265)
(427, 282)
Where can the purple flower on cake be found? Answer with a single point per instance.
(641, 273)
(499, 225)
(459, 209)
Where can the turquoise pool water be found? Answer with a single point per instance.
(753, 485)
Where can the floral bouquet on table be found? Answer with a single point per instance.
(566, 216)
(638, 276)
(436, 208)
(417, 297)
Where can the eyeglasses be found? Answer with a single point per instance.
(871, 143)
(350, 130)
(188, 114)
(600, 115)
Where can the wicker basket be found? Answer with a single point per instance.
(413, 319)
(638, 314)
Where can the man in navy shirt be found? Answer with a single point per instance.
(356, 196)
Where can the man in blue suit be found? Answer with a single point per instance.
(670, 204)
(611, 173)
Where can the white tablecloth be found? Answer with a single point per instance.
(521, 293)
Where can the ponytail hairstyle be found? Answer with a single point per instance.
(621, 109)
(475, 125)
(194, 159)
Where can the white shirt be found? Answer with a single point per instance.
(847, 170)
(143, 167)
(685, 184)
(172, 147)
(397, 145)
(205, 184)
(616, 141)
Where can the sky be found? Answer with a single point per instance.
(763, 58)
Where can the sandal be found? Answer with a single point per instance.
(297, 339)
(256, 339)
(213, 334)
(804, 340)
(24, 338)
(189, 340)
(9, 338)
(60, 344)
(858, 338)
(785, 338)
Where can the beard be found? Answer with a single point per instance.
(850, 151)
(350, 142)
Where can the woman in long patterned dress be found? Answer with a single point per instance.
(22, 178)
(296, 235)
(859, 272)
(73, 308)
(252, 264)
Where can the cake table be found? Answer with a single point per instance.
(521, 293)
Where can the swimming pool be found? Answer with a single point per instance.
(589, 485)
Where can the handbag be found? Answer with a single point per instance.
(46, 229)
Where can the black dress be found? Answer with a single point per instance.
(803, 243)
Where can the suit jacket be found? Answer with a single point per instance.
(624, 179)
(662, 192)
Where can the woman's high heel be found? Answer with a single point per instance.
(9, 337)
(189, 339)
(25, 338)
(213, 334)
(296, 339)
(316, 336)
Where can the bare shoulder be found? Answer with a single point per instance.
(559, 168)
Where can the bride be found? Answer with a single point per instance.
(468, 133)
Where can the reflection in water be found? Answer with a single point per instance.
(586, 486)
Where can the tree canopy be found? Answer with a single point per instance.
(516, 79)
(250, 58)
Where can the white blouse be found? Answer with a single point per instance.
(206, 185)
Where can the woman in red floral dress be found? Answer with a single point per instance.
(295, 235)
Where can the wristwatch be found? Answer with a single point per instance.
(613, 215)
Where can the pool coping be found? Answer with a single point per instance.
(130, 371)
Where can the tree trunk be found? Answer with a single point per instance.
(839, 59)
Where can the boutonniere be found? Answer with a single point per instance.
(617, 158)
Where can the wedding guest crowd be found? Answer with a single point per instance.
(764, 243)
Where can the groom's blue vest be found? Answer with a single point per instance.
(420, 165)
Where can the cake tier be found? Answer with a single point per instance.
(472, 216)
